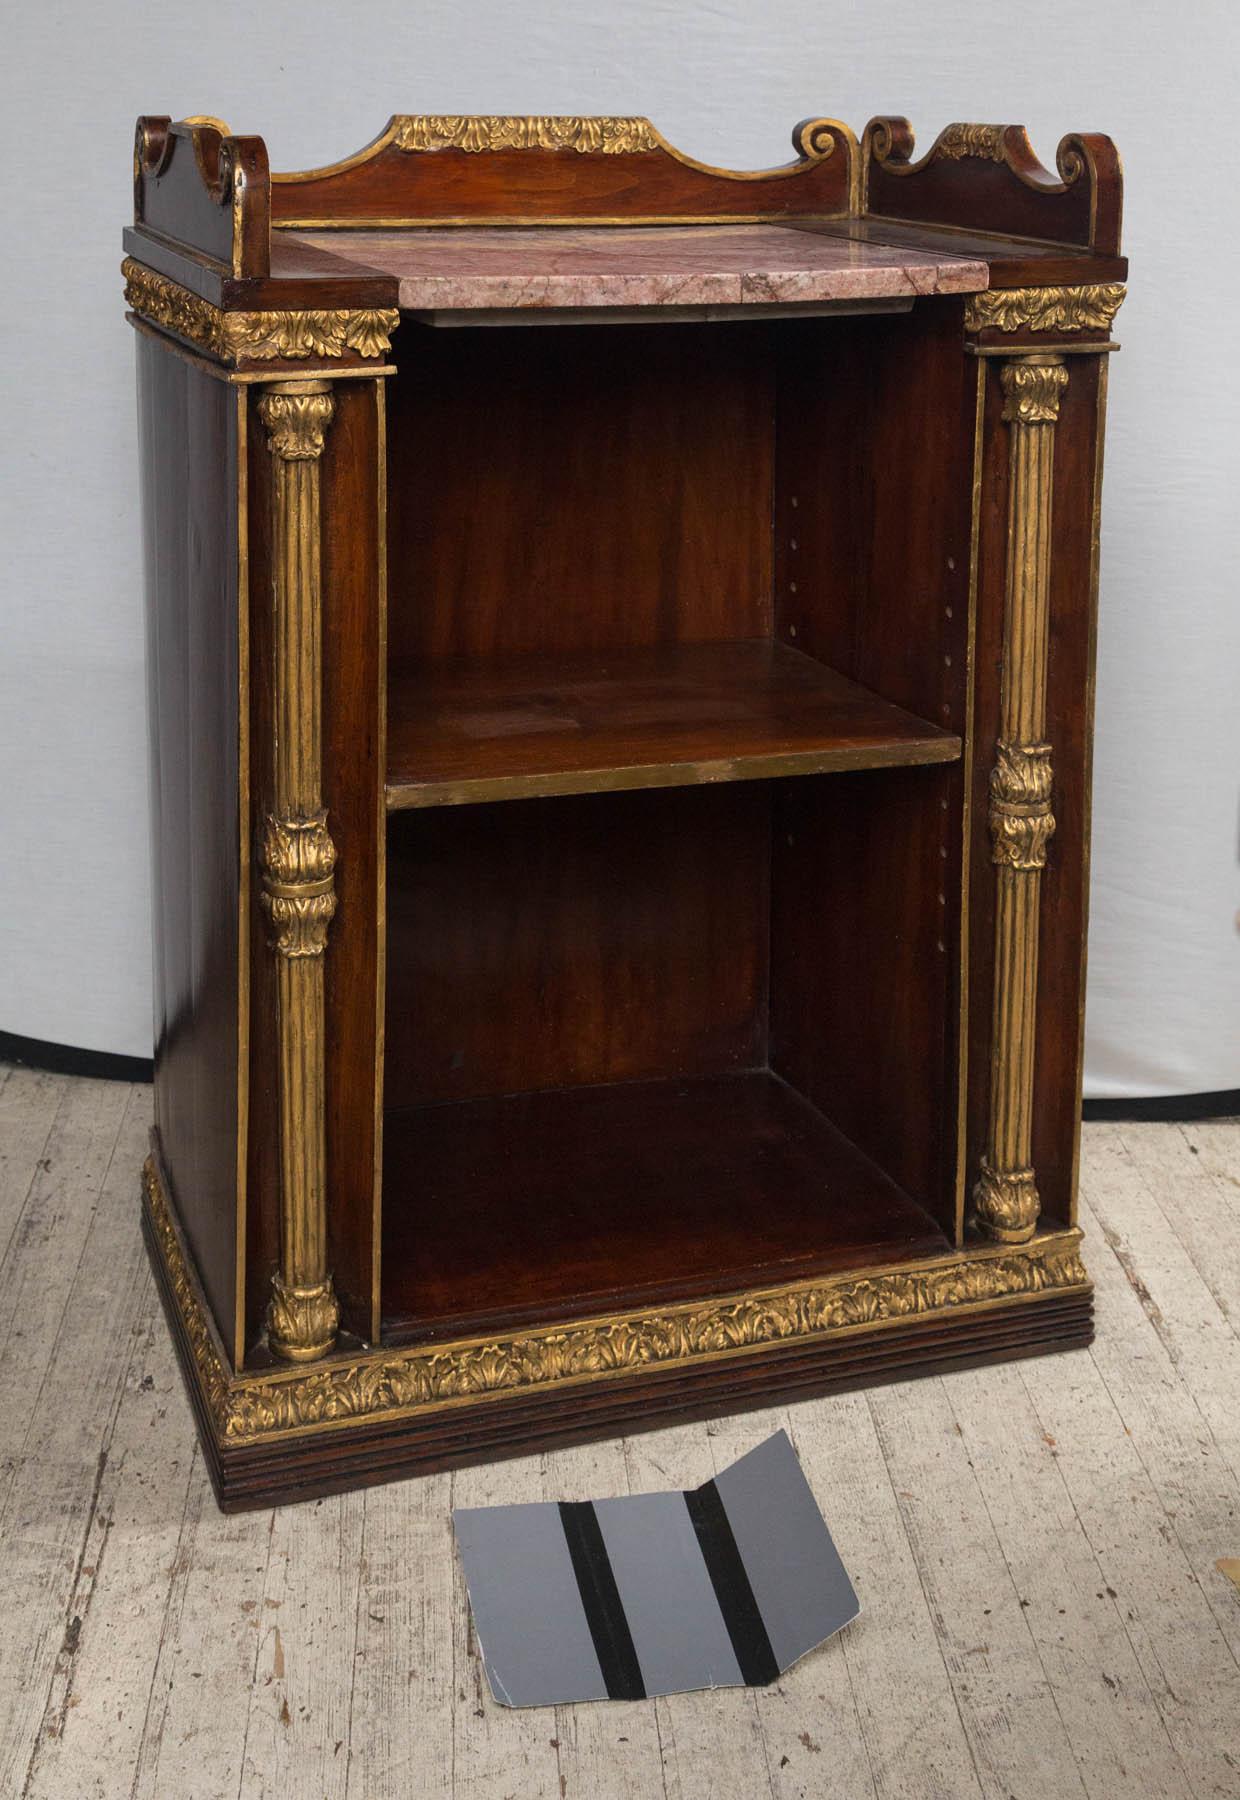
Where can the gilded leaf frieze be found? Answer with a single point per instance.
(236, 337)
(358, 1389)
(1059, 309)
(983, 141)
(480, 132)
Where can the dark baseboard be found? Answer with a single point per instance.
(103, 1065)
(64, 1059)
(1172, 1109)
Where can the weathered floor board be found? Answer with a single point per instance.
(1035, 1545)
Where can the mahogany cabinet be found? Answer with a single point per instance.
(621, 662)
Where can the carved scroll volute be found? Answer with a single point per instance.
(298, 862)
(1005, 1197)
(197, 185)
(1079, 201)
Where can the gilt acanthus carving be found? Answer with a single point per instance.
(1059, 309)
(479, 132)
(1032, 389)
(294, 335)
(983, 141)
(302, 1319)
(1021, 820)
(298, 860)
(237, 337)
(249, 1408)
(1008, 1201)
(296, 423)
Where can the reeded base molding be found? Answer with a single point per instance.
(285, 1433)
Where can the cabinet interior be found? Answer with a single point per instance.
(676, 706)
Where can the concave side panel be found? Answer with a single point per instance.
(263, 1149)
(558, 490)
(872, 525)
(549, 943)
(188, 452)
(1070, 729)
(541, 170)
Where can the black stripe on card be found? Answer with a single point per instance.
(727, 1573)
(600, 1599)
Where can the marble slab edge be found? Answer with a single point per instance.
(422, 292)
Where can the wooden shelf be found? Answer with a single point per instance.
(677, 716)
(588, 1199)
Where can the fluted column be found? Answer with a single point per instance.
(298, 860)
(1005, 1197)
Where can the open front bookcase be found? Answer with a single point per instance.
(620, 653)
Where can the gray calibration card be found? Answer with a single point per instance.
(725, 1585)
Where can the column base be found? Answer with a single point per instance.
(302, 1321)
(1006, 1204)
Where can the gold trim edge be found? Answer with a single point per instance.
(234, 337)
(813, 139)
(547, 131)
(1090, 308)
(384, 1384)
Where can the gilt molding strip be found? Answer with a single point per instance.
(298, 861)
(382, 1384)
(236, 337)
(1045, 309)
(1005, 1196)
(479, 132)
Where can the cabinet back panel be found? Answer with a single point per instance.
(566, 488)
(546, 943)
(862, 990)
(872, 515)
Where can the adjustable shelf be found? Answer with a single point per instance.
(669, 716)
(620, 642)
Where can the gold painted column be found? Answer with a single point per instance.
(1005, 1197)
(298, 860)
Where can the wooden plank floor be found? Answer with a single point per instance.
(1034, 1545)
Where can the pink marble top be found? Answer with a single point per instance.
(614, 265)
